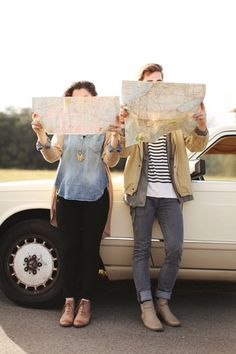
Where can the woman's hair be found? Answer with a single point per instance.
(149, 69)
(89, 86)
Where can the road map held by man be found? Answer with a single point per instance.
(159, 108)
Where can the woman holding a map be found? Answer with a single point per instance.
(157, 182)
(83, 200)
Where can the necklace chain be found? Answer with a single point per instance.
(80, 154)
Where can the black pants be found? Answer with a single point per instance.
(81, 226)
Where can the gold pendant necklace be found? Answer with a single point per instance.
(80, 155)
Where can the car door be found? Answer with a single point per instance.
(210, 219)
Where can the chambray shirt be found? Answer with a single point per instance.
(82, 180)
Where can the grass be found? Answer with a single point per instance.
(7, 175)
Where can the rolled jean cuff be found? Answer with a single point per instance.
(145, 295)
(163, 294)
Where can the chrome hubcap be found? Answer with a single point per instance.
(33, 264)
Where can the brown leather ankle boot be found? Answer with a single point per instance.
(83, 313)
(149, 317)
(67, 317)
(164, 312)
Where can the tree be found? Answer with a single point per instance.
(17, 141)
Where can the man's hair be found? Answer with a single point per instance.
(149, 69)
(89, 86)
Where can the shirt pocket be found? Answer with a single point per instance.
(95, 146)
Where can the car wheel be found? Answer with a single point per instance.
(30, 263)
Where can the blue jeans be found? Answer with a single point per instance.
(169, 214)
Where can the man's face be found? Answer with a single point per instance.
(153, 77)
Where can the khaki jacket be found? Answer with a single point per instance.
(196, 141)
(110, 159)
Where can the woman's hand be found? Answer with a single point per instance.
(38, 129)
(200, 118)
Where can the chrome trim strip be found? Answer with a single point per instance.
(162, 240)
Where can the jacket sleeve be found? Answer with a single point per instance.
(197, 140)
(125, 151)
(110, 158)
(54, 152)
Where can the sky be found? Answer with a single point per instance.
(48, 44)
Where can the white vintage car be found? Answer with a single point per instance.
(30, 263)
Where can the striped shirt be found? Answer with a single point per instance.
(159, 178)
(158, 169)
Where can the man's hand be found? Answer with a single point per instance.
(123, 114)
(200, 118)
(115, 130)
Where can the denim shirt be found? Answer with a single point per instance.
(81, 174)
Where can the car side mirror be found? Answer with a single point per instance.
(197, 169)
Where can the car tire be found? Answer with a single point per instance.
(30, 263)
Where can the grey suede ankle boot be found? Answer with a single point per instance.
(164, 312)
(149, 317)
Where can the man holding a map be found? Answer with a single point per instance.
(86, 145)
(162, 121)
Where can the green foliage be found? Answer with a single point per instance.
(17, 141)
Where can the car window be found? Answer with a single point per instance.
(220, 160)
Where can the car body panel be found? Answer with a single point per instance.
(209, 223)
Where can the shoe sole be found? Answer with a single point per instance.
(66, 326)
(171, 325)
(154, 330)
(81, 326)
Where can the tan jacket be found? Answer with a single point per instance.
(196, 141)
(110, 159)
